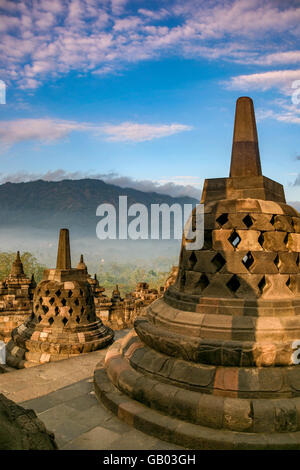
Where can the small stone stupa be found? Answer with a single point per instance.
(16, 293)
(63, 322)
(212, 364)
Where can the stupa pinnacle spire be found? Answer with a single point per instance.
(81, 265)
(245, 158)
(17, 266)
(63, 252)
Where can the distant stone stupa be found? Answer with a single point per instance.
(16, 293)
(212, 364)
(63, 323)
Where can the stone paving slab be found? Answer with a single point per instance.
(62, 395)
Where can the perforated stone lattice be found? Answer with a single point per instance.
(245, 244)
(63, 307)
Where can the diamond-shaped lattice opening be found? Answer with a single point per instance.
(277, 262)
(203, 282)
(58, 293)
(70, 311)
(40, 300)
(286, 239)
(262, 283)
(248, 221)
(82, 310)
(51, 321)
(51, 301)
(77, 319)
(182, 280)
(56, 310)
(47, 293)
(45, 308)
(233, 284)
(70, 293)
(36, 307)
(63, 302)
(192, 260)
(207, 239)
(76, 302)
(65, 321)
(272, 221)
(261, 239)
(80, 292)
(222, 219)
(248, 260)
(288, 282)
(39, 318)
(234, 239)
(194, 221)
(218, 261)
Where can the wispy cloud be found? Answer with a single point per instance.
(42, 130)
(286, 82)
(130, 131)
(50, 130)
(176, 187)
(51, 38)
(281, 79)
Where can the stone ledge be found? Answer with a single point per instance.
(179, 432)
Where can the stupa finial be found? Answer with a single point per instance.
(245, 158)
(17, 266)
(63, 252)
(81, 265)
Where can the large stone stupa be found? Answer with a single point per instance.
(211, 365)
(63, 323)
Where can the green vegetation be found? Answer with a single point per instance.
(128, 275)
(30, 264)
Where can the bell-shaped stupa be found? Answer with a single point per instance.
(213, 364)
(63, 323)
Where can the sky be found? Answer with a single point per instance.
(142, 93)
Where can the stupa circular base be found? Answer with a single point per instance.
(33, 344)
(152, 400)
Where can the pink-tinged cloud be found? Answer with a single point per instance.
(50, 130)
(51, 38)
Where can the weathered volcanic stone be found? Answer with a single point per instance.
(63, 323)
(20, 429)
(16, 293)
(210, 364)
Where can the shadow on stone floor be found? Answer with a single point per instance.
(80, 422)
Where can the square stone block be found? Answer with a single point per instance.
(293, 242)
(249, 240)
(275, 241)
(220, 240)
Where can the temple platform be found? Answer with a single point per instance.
(62, 395)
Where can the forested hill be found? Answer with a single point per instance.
(69, 203)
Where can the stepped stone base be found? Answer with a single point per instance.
(34, 344)
(192, 405)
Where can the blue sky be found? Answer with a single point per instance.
(142, 93)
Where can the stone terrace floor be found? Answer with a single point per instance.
(62, 395)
